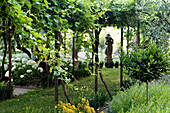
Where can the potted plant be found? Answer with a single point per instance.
(116, 64)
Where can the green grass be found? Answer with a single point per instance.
(133, 100)
(76, 90)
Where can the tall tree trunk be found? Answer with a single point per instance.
(92, 59)
(47, 71)
(128, 40)
(64, 43)
(73, 54)
(5, 50)
(10, 55)
(121, 65)
(57, 47)
(47, 67)
(147, 96)
(138, 34)
(97, 32)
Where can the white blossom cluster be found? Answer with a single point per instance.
(22, 63)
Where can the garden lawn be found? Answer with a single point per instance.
(76, 90)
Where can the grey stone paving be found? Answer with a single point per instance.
(19, 91)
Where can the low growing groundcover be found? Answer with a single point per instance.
(77, 90)
(133, 100)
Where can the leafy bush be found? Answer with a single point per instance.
(95, 100)
(109, 64)
(101, 64)
(147, 64)
(24, 70)
(81, 71)
(98, 100)
(116, 64)
(4, 91)
(127, 83)
(133, 100)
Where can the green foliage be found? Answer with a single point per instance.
(44, 98)
(24, 71)
(5, 91)
(81, 71)
(127, 83)
(101, 64)
(116, 64)
(147, 64)
(109, 64)
(97, 100)
(40, 110)
(133, 100)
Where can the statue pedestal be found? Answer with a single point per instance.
(108, 59)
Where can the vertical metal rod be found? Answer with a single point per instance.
(10, 55)
(121, 65)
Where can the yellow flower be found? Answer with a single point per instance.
(60, 102)
(66, 110)
(55, 106)
(68, 104)
(74, 108)
(92, 109)
(84, 100)
(87, 103)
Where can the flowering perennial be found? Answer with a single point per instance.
(82, 107)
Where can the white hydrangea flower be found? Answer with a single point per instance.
(5, 67)
(71, 64)
(66, 68)
(19, 68)
(14, 63)
(19, 56)
(23, 66)
(1, 57)
(7, 74)
(14, 68)
(31, 62)
(21, 76)
(35, 66)
(11, 80)
(29, 71)
(24, 60)
(18, 64)
(40, 69)
(12, 59)
(17, 59)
